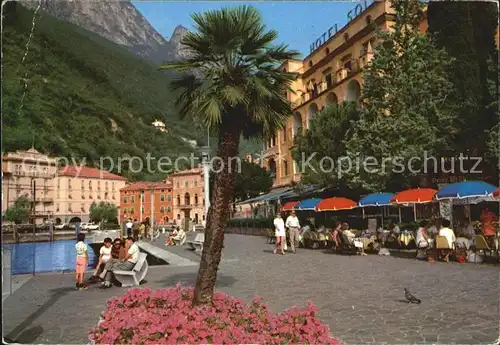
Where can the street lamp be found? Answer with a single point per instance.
(206, 163)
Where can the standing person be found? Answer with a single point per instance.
(293, 225)
(104, 256)
(135, 229)
(142, 231)
(82, 259)
(279, 231)
(129, 227)
(489, 231)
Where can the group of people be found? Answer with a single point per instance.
(139, 230)
(175, 237)
(114, 255)
(293, 225)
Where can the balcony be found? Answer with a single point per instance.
(44, 199)
(43, 213)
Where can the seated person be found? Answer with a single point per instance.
(126, 264)
(118, 253)
(489, 231)
(336, 234)
(104, 257)
(180, 235)
(447, 232)
(170, 239)
(422, 239)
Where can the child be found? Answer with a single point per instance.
(105, 255)
(82, 259)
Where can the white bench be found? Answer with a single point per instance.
(134, 277)
(197, 243)
(181, 241)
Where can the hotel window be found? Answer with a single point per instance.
(58, 183)
(106, 185)
(83, 185)
(90, 185)
(132, 199)
(346, 37)
(124, 211)
(285, 168)
(273, 140)
(310, 64)
(178, 185)
(142, 209)
(169, 197)
(178, 199)
(132, 210)
(368, 20)
(328, 78)
(186, 184)
(69, 184)
(196, 199)
(162, 209)
(125, 199)
(346, 62)
(169, 209)
(327, 51)
(98, 185)
(142, 196)
(284, 134)
(178, 216)
(162, 197)
(196, 183)
(113, 186)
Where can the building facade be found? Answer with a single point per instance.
(22, 169)
(137, 200)
(77, 187)
(330, 74)
(189, 195)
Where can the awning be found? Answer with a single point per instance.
(290, 205)
(336, 204)
(308, 204)
(274, 194)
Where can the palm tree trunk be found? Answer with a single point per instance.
(218, 214)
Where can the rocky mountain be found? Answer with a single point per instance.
(120, 22)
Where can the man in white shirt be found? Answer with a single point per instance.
(126, 264)
(293, 225)
(179, 236)
(129, 225)
(447, 232)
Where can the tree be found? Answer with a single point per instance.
(19, 212)
(103, 212)
(466, 30)
(251, 181)
(324, 144)
(405, 112)
(233, 84)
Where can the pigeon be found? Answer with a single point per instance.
(411, 298)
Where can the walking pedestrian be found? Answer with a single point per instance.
(82, 260)
(293, 225)
(280, 234)
(129, 227)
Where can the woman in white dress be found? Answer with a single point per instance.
(279, 231)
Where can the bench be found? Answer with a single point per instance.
(134, 277)
(181, 241)
(197, 243)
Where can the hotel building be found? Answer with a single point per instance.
(77, 187)
(135, 201)
(330, 74)
(19, 171)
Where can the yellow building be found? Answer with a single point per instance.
(23, 169)
(330, 74)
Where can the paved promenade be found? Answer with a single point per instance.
(360, 298)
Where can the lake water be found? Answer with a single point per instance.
(49, 256)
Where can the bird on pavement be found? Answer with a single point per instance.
(410, 298)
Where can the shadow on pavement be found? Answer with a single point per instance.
(22, 335)
(189, 279)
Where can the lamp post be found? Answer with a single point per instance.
(205, 161)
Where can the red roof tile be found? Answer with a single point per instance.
(146, 186)
(193, 171)
(87, 172)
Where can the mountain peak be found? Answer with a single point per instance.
(178, 34)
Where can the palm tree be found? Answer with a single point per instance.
(233, 84)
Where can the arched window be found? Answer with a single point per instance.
(178, 199)
(196, 199)
(187, 199)
(169, 197)
(162, 209)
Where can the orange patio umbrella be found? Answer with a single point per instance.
(289, 205)
(414, 196)
(336, 204)
(496, 193)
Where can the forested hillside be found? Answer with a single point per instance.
(86, 96)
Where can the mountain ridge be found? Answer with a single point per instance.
(120, 22)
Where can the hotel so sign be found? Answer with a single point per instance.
(354, 13)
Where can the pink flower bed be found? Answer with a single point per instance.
(143, 316)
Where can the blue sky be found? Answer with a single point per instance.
(299, 23)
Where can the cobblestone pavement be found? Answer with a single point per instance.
(360, 298)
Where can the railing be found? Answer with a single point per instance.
(6, 271)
